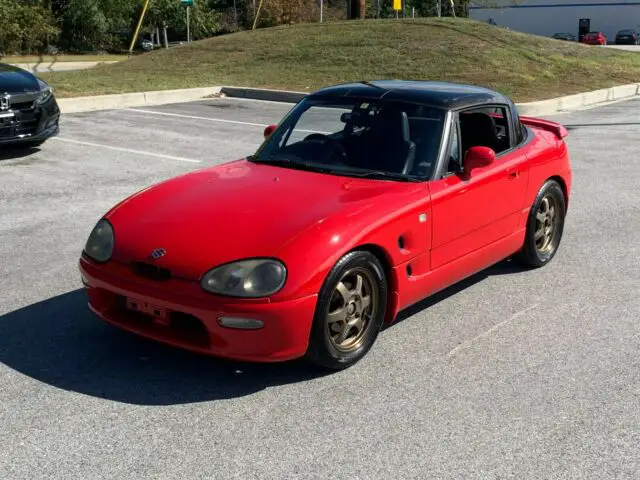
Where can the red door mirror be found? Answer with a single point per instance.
(478, 157)
(269, 130)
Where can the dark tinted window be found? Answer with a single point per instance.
(355, 136)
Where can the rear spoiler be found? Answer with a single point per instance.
(557, 129)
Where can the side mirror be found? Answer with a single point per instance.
(269, 130)
(478, 157)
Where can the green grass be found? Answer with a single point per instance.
(306, 57)
(62, 58)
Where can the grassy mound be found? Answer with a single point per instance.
(306, 57)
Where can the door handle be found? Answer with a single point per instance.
(513, 173)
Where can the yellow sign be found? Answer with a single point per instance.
(397, 4)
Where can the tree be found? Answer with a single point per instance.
(84, 25)
(25, 26)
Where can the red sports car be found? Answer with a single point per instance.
(365, 199)
(595, 38)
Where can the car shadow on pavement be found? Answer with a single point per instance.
(60, 342)
(13, 152)
(505, 267)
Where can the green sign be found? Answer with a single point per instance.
(186, 3)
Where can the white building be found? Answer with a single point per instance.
(546, 17)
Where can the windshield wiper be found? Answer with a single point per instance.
(284, 161)
(380, 174)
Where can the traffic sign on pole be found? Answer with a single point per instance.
(188, 4)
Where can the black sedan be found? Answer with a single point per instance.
(29, 113)
(627, 37)
(569, 37)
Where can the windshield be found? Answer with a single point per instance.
(356, 137)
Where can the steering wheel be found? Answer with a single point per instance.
(333, 143)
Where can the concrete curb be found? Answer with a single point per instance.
(137, 99)
(264, 94)
(580, 101)
(542, 107)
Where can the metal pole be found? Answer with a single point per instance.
(321, 7)
(235, 14)
(439, 8)
(188, 30)
(135, 36)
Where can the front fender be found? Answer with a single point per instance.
(401, 234)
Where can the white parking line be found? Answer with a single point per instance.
(127, 150)
(210, 119)
(194, 117)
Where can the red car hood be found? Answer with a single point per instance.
(234, 211)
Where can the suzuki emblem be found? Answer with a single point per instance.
(5, 102)
(158, 252)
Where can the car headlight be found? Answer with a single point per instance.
(258, 277)
(46, 92)
(99, 247)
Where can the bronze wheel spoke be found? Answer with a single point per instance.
(342, 289)
(357, 323)
(358, 289)
(339, 315)
(366, 302)
(544, 205)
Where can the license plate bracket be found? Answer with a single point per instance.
(157, 313)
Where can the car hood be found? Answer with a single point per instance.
(237, 210)
(16, 80)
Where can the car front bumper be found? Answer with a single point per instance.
(27, 123)
(189, 317)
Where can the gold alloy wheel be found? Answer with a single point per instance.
(546, 224)
(352, 308)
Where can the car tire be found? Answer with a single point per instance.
(349, 312)
(545, 226)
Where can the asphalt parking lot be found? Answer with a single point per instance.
(510, 374)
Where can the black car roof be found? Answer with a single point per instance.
(447, 95)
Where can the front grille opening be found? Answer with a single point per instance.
(22, 105)
(190, 327)
(152, 272)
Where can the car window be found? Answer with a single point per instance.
(486, 127)
(354, 136)
(454, 163)
(321, 120)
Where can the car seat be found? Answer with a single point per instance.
(478, 130)
(388, 143)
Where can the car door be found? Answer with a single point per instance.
(470, 212)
